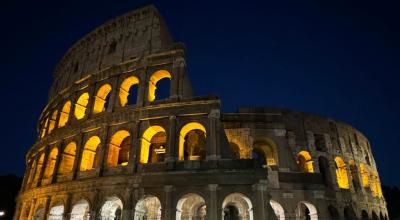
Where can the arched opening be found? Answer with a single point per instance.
(101, 100)
(112, 209)
(56, 212)
(341, 173)
(32, 170)
(39, 214)
(53, 120)
(235, 150)
(39, 165)
(44, 127)
(192, 141)
(67, 159)
(80, 210)
(51, 163)
(64, 114)
(364, 176)
(118, 151)
(112, 47)
(278, 210)
(333, 213)
(354, 174)
(323, 165)
(374, 216)
(306, 210)
(349, 213)
(148, 208)
(191, 207)
(237, 206)
(128, 91)
(153, 146)
(375, 185)
(89, 154)
(154, 88)
(305, 162)
(266, 152)
(80, 106)
(364, 215)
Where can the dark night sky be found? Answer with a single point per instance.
(336, 59)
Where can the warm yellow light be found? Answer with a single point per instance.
(39, 166)
(89, 153)
(305, 162)
(80, 106)
(341, 173)
(64, 114)
(67, 159)
(268, 151)
(146, 142)
(53, 121)
(157, 76)
(100, 99)
(115, 147)
(125, 87)
(364, 175)
(182, 134)
(51, 162)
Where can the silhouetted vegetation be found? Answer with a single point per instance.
(9, 187)
(392, 196)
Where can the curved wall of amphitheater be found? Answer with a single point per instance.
(111, 146)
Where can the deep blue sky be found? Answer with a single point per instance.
(336, 59)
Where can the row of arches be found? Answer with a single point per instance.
(153, 146)
(158, 87)
(191, 206)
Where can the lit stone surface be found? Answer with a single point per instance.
(109, 148)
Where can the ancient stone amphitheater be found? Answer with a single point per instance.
(111, 146)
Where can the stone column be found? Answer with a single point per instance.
(32, 209)
(103, 150)
(135, 145)
(113, 96)
(171, 155)
(67, 207)
(57, 164)
(168, 209)
(46, 208)
(213, 135)
(44, 165)
(260, 208)
(142, 88)
(78, 156)
(212, 206)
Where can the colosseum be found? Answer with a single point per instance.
(111, 146)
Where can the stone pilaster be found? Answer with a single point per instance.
(212, 206)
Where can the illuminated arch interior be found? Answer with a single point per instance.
(88, 161)
(306, 210)
(153, 144)
(157, 76)
(112, 209)
(305, 162)
(354, 174)
(80, 210)
(192, 142)
(64, 114)
(278, 210)
(124, 89)
(341, 173)
(100, 100)
(51, 163)
(148, 208)
(364, 175)
(53, 119)
(237, 206)
(191, 206)
(68, 159)
(268, 152)
(80, 106)
(375, 185)
(56, 212)
(44, 127)
(118, 152)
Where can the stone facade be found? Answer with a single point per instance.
(109, 147)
